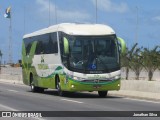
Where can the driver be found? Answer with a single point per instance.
(103, 57)
(73, 61)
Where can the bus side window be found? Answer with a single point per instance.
(39, 48)
(54, 47)
(42, 44)
(49, 46)
(28, 45)
(45, 42)
(28, 48)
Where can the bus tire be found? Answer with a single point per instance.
(58, 86)
(40, 90)
(102, 94)
(33, 87)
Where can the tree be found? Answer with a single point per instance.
(151, 61)
(136, 62)
(125, 62)
(126, 59)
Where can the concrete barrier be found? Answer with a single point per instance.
(139, 89)
(141, 85)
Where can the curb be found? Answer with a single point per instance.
(136, 94)
(11, 81)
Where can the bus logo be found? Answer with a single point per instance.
(96, 81)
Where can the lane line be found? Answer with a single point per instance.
(71, 101)
(13, 90)
(12, 109)
(142, 100)
(8, 108)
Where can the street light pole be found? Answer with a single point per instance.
(49, 13)
(96, 11)
(137, 22)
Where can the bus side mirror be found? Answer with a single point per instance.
(122, 44)
(66, 45)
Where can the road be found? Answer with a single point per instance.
(19, 98)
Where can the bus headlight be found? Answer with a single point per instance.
(116, 77)
(77, 78)
(74, 77)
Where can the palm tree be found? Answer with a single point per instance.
(126, 59)
(151, 61)
(125, 62)
(136, 62)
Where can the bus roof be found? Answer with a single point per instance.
(75, 29)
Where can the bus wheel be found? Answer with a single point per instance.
(60, 92)
(102, 94)
(34, 88)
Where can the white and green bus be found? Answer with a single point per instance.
(72, 57)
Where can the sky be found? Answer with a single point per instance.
(133, 20)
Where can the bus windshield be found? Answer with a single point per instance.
(93, 54)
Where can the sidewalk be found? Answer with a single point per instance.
(12, 81)
(136, 94)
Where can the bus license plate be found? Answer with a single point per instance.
(96, 86)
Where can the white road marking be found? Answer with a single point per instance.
(12, 109)
(142, 100)
(8, 108)
(71, 100)
(12, 90)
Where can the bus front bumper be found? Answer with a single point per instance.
(74, 85)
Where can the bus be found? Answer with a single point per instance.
(72, 57)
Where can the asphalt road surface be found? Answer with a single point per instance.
(20, 98)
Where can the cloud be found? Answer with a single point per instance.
(157, 18)
(109, 6)
(62, 14)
